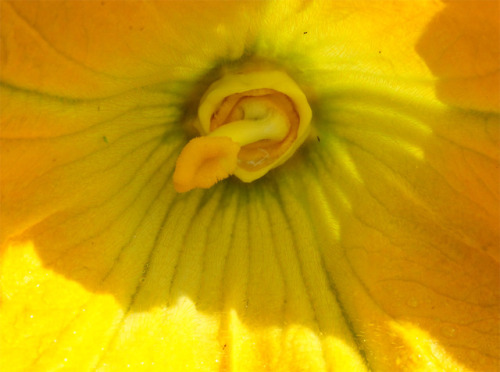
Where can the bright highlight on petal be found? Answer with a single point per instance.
(263, 112)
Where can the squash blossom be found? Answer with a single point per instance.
(250, 185)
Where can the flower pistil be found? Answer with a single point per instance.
(249, 123)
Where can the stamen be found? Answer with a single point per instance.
(272, 126)
(205, 161)
(250, 123)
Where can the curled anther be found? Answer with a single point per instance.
(249, 124)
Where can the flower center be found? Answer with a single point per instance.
(249, 124)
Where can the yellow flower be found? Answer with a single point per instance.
(374, 247)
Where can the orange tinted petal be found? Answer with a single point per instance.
(375, 247)
(102, 48)
(461, 46)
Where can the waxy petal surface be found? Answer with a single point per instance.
(374, 248)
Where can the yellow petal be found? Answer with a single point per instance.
(110, 46)
(374, 248)
(414, 254)
(461, 46)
